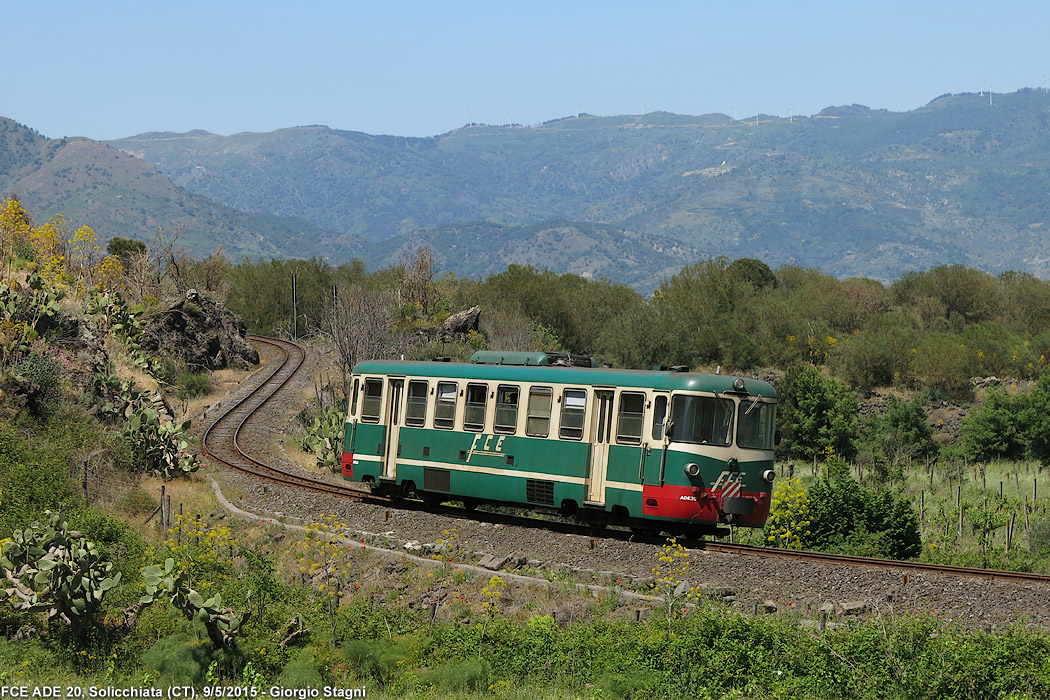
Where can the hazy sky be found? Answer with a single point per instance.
(112, 69)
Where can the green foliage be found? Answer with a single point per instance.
(377, 661)
(847, 517)
(990, 430)
(574, 310)
(1039, 537)
(814, 412)
(36, 303)
(56, 571)
(125, 248)
(179, 659)
(789, 516)
(301, 671)
(28, 479)
(110, 314)
(323, 438)
(39, 372)
(192, 386)
(162, 444)
(164, 581)
(898, 436)
(473, 675)
(941, 362)
(877, 354)
(158, 445)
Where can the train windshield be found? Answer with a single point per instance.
(756, 424)
(702, 420)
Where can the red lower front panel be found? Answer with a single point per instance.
(699, 505)
(348, 465)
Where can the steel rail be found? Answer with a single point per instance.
(289, 366)
(229, 426)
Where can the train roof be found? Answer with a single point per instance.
(664, 379)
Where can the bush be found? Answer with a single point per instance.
(182, 660)
(41, 374)
(846, 517)
(376, 660)
(193, 385)
(1039, 537)
(136, 501)
(301, 672)
(471, 674)
(900, 434)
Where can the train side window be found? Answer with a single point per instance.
(474, 413)
(353, 397)
(506, 409)
(416, 408)
(573, 408)
(372, 401)
(445, 408)
(538, 417)
(629, 421)
(659, 417)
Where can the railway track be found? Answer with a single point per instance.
(222, 439)
(222, 443)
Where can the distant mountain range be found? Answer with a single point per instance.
(853, 191)
(90, 183)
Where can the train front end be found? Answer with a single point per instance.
(717, 465)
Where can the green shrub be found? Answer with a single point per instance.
(815, 412)
(847, 517)
(469, 674)
(301, 672)
(376, 661)
(193, 385)
(182, 660)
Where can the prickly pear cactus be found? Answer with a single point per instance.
(222, 624)
(56, 571)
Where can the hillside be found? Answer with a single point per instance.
(117, 195)
(851, 190)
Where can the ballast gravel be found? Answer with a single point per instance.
(812, 590)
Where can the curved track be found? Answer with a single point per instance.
(221, 443)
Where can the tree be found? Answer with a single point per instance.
(901, 433)
(991, 431)
(125, 248)
(360, 322)
(815, 412)
(754, 272)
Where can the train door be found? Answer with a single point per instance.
(601, 436)
(393, 428)
(655, 452)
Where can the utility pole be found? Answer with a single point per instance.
(295, 313)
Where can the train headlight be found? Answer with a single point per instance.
(769, 475)
(692, 469)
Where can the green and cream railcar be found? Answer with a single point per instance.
(651, 449)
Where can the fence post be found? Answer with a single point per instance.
(163, 511)
(922, 514)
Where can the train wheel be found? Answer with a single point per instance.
(470, 503)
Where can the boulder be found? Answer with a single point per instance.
(201, 333)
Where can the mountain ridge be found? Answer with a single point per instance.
(854, 191)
